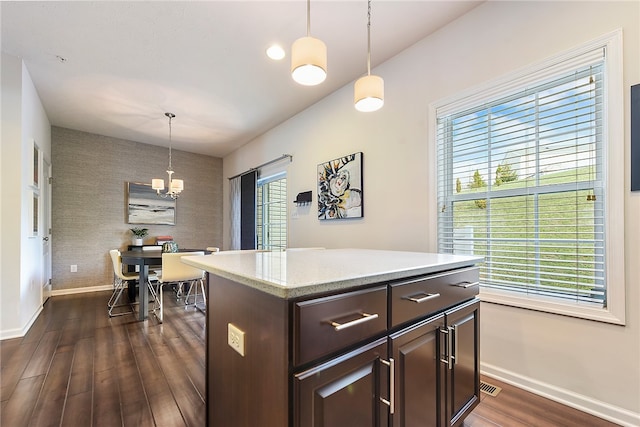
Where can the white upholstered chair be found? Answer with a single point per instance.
(120, 282)
(174, 271)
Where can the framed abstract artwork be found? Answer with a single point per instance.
(145, 206)
(340, 194)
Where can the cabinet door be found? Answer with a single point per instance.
(345, 391)
(418, 383)
(463, 372)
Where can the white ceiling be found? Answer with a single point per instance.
(127, 63)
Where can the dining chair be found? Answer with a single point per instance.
(212, 251)
(174, 271)
(194, 289)
(120, 282)
(244, 251)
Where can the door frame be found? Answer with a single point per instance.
(46, 230)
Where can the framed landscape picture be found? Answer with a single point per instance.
(340, 193)
(35, 165)
(145, 206)
(35, 215)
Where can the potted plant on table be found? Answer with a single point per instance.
(138, 235)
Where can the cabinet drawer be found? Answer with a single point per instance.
(325, 325)
(419, 297)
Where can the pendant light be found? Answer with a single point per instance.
(175, 185)
(369, 90)
(308, 57)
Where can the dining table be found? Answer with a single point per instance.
(143, 259)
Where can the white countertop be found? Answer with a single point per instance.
(299, 272)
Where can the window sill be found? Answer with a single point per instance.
(550, 305)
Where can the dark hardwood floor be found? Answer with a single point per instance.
(514, 407)
(78, 367)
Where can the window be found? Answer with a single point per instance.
(524, 180)
(271, 212)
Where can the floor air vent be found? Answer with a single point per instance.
(489, 389)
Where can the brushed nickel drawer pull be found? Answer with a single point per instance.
(451, 349)
(445, 357)
(465, 284)
(449, 358)
(423, 299)
(365, 318)
(392, 385)
(455, 344)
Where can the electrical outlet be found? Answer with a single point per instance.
(235, 338)
(74, 268)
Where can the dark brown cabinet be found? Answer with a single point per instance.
(346, 391)
(418, 388)
(432, 361)
(333, 323)
(400, 353)
(437, 374)
(462, 382)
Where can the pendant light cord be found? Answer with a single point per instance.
(170, 115)
(308, 18)
(369, 38)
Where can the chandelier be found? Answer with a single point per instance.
(175, 185)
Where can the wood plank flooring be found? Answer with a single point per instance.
(78, 367)
(514, 407)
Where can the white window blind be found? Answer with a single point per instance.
(521, 182)
(271, 212)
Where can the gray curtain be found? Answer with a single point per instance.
(234, 196)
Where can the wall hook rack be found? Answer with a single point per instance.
(303, 198)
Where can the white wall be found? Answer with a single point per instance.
(35, 127)
(23, 120)
(10, 197)
(586, 364)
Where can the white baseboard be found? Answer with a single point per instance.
(583, 403)
(19, 333)
(72, 291)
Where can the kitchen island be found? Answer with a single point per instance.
(340, 337)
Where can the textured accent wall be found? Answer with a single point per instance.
(89, 195)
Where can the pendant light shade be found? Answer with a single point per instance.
(308, 57)
(157, 184)
(369, 93)
(309, 61)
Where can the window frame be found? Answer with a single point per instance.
(613, 136)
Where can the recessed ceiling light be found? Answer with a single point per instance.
(275, 52)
